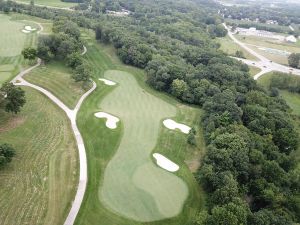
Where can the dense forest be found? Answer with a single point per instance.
(248, 173)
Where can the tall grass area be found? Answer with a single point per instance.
(101, 143)
(38, 186)
(55, 76)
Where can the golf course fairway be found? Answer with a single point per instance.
(134, 186)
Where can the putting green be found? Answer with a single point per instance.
(134, 186)
(12, 42)
(12, 39)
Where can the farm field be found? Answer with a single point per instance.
(104, 147)
(56, 78)
(53, 3)
(228, 46)
(12, 43)
(37, 187)
(256, 42)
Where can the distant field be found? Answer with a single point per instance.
(12, 42)
(56, 77)
(285, 29)
(254, 43)
(102, 144)
(37, 187)
(230, 47)
(54, 3)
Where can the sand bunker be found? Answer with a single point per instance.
(29, 28)
(107, 82)
(171, 124)
(165, 163)
(26, 31)
(111, 121)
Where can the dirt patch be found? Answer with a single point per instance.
(12, 123)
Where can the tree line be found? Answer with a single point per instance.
(65, 44)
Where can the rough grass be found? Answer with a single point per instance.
(254, 70)
(102, 144)
(37, 187)
(56, 78)
(12, 42)
(230, 47)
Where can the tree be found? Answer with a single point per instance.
(191, 139)
(294, 60)
(29, 53)
(232, 213)
(74, 60)
(178, 87)
(82, 73)
(14, 97)
(239, 54)
(7, 152)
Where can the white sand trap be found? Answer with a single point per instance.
(171, 124)
(165, 163)
(26, 31)
(111, 121)
(29, 28)
(108, 82)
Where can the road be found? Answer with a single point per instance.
(71, 114)
(264, 64)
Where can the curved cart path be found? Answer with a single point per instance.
(18, 80)
(264, 64)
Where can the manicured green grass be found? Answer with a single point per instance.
(12, 42)
(141, 114)
(56, 78)
(230, 47)
(38, 186)
(103, 144)
(47, 24)
(54, 3)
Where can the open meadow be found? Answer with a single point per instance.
(37, 187)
